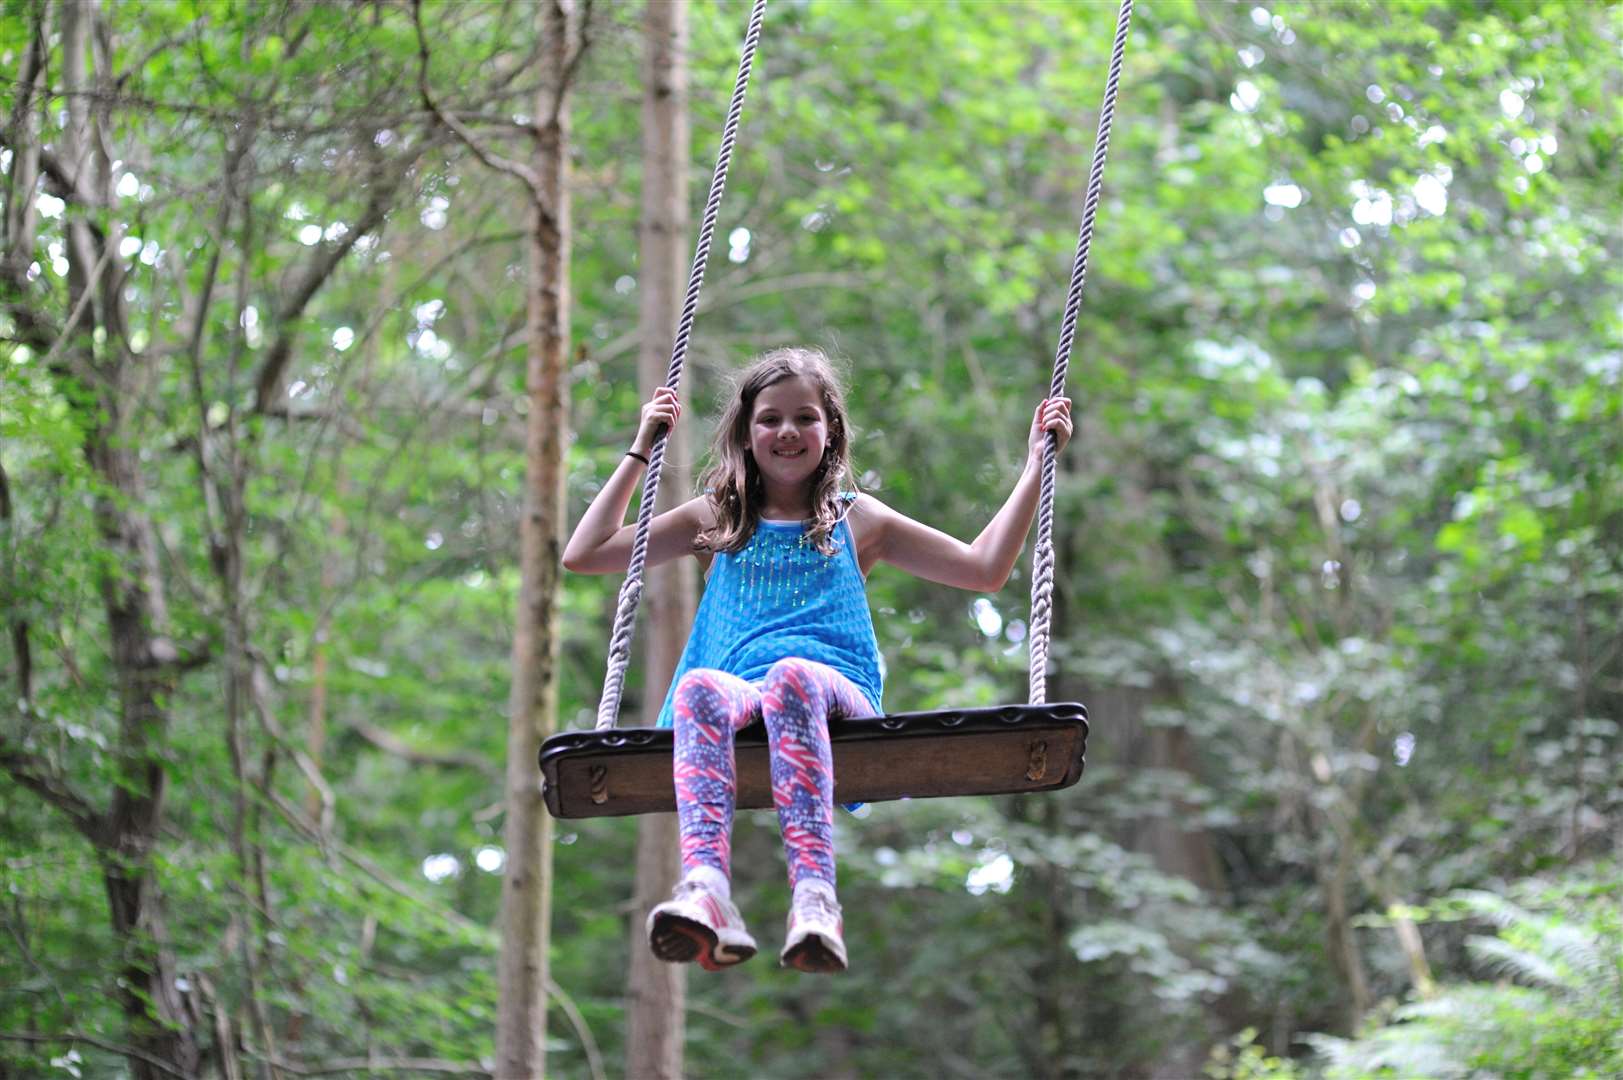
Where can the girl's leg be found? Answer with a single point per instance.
(708, 706)
(798, 699)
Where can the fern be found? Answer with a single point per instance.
(1400, 1051)
(1506, 959)
(1556, 1009)
(1584, 953)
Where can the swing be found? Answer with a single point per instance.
(1006, 749)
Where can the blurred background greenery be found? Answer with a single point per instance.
(1340, 537)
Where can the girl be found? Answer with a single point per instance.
(783, 632)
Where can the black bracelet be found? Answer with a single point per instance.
(639, 457)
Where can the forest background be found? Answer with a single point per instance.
(1340, 537)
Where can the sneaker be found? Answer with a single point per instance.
(816, 941)
(699, 922)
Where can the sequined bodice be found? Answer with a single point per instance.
(781, 597)
(778, 569)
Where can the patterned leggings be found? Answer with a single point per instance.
(796, 698)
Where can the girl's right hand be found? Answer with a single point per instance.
(662, 410)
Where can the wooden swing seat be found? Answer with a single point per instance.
(1001, 750)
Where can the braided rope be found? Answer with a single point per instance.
(625, 615)
(1042, 575)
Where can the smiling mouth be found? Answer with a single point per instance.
(789, 453)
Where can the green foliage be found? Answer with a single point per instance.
(1554, 1007)
(1341, 533)
(1242, 1059)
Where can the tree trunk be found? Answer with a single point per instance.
(315, 736)
(21, 650)
(1060, 1026)
(1132, 745)
(1053, 975)
(132, 591)
(1333, 875)
(533, 701)
(656, 992)
(1176, 849)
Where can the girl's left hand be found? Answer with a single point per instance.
(1053, 414)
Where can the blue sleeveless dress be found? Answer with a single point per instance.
(780, 597)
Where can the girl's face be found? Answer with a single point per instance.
(789, 430)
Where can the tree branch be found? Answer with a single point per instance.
(165, 656)
(19, 627)
(370, 1064)
(572, 64)
(22, 214)
(301, 822)
(45, 977)
(34, 329)
(394, 744)
(61, 183)
(490, 160)
(269, 383)
(78, 311)
(577, 1020)
(92, 1040)
(457, 921)
(33, 773)
(259, 694)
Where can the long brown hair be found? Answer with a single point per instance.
(732, 481)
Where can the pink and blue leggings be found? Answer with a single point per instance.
(795, 699)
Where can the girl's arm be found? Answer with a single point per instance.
(985, 564)
(601, 542)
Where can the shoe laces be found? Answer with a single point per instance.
(814, 905)
(693, 886)
(691, 890)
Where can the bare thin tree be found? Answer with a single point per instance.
(526, 916)
(526, 919)
(656, 992)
